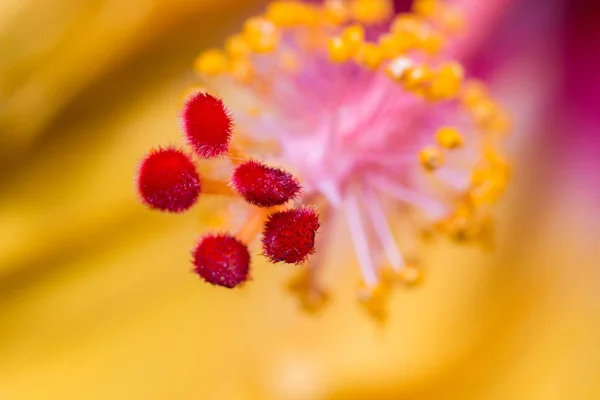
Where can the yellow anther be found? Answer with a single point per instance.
(473, 92)
(339, 50)
(288, 14)
(430, 41)
(309, 15)
(461, 226)
(469, 223)
(369, 56)
(283, 13)
(406, 23)
(389, 46)
(407, 275)
(211, 62)
(425, 8)
(346, 46)
(398, 67)
(489, 179)
(492, 157)
(431, 158)
(451, 20)
(410, 275)
(354, 36)
(480, 175)
(416, 78)
(375, 300)
(261, 35)
(398, 43)
(408, 33)
(501, 123)
(489, 191)
(312, 297)
(489, 116)
(337, 12)
(446, 82)
(372, 11)
(449, 138)
(497, 162)
(407, 41)
(236, 47)
(484, 113)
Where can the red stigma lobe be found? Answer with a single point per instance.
(222, 260)
(264, 186)
(168, 180)
(289, 236)
(207, 125)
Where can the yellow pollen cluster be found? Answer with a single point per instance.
(409, 50)
(212, 62)
(338, 26)
(449, 138)
(431, 157)
(487, 114)
(471, 218)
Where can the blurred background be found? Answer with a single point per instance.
(96, 297)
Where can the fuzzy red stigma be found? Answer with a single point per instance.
(207, 125)
(222, 260)
(168, 180)
(289, 236)
(264, 186)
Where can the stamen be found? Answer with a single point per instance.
(212, 62)
(236, 155)
(359, 238)
(252, 226)
(449, 138)
(446, 82)
(337, 12)
(398, 67)
(306, 283)
(370, 56)
(371, 12)
(370, 112)
(425, 8)
(383, 230)
(312, 297)
(431, 158)
(213, 186)
(433, 208)
(261, 35)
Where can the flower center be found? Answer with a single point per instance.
(363, 113)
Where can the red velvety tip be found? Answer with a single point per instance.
(207, 124)
(289, 236)
(264, 186)
(168, 180)
(222, 260)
